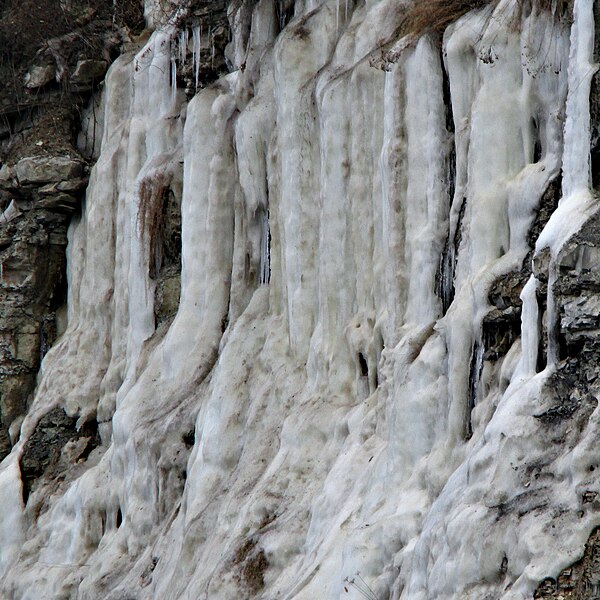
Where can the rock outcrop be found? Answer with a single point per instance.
(43, 175)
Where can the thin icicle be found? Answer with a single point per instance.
(173, 79)
(196, 47)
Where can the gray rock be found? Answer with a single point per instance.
(59, 202)
(7, 173)
(42, 451)
(44, 169)
(581, 313)
(541, 264)
(167, 296)
(39, 76)
(71, 185)
(88, 72)
(7, 177)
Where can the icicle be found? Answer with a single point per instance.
(346, 11)
(529, 328)
(173, 79)
(196, 47)
(337, 16)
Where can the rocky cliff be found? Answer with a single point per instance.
(300, 300)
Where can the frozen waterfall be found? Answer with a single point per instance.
(379, 380)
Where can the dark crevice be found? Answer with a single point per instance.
(364, 368)
(447, 96)
(284, 10)
(166, 267)
(569, 348)
(475, 369)
(444, 283)
(445, 275)
(119, 519)
(189, 438)
(499, 331)
(537, 144)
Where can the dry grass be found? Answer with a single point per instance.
(27, 25)
(433, 16)
(54, 32)
(51, 135)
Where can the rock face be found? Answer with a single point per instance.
(42, 169)
(32, 289)
(56, 437)
(33, 281)
(332, 308)
(43, 176)
(87, 73)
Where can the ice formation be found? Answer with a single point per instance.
(324, 402)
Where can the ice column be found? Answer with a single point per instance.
(529, 328)
(576, 157)
(173, 79)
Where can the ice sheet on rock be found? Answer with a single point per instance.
(307, 410)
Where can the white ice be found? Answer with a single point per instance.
(327, 392)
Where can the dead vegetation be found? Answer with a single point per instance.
(52, 136)
(431, 17)
(58, 32)
(434, 16)
(153, 192)
(42, 42)
(252, 564)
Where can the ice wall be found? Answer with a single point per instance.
(327, 400)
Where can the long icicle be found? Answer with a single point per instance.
(196, 43)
